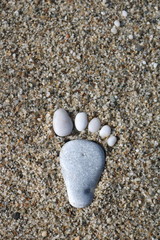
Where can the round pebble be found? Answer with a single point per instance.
(124, 13)
(105, 131)
(44, 233)
(104, 2)
(155, 65)
(103, 13)
(94, 125)
(16, 215)
(111, 141)
(130, 36)
(117, 23)
(114, 30)
(81, 121)
(62, 123)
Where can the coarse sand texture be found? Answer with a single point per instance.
(99, 62)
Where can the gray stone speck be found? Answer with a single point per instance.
(139, 48)
(82, 163)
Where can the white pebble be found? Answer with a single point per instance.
(81, 121)
(104, 2)
(105, 131)
(62, 123)
(130, 36)
(155, 64)
(114, 30)
(117, 23)
(103, 13)
(44, 233)
(156, 143)
(111, 141)
(124, 13)
(94, 125)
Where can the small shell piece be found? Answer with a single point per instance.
(62, 123)
(111, 141)
(114, 30)
(105, 131)
(117, 23)
(124, 13)
(81, 121)
(94, 125)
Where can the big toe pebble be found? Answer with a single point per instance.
(82, 163)
(62, 123)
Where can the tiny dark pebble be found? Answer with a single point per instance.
(16, 215)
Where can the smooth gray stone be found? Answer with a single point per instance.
(82, 163)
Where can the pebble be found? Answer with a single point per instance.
(124, 13)
(117, 23)
(104, 2)
(139, 48)
(130, 36)
(81, 121)
(62, 123)
(114, 30)
(105, 131)
(16, 215)
(111, 141)
(94, 125)
(44, 233)
(103, 13)
(82, 163)
(155, 64)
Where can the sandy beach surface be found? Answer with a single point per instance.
(64, 54)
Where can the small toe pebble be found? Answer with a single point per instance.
(105, 131)
(81, 121)
(111, 141)
(94, 125)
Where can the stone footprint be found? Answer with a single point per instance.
(82, 161)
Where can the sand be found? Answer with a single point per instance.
(63, 54)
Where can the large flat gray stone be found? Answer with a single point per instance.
(82, 164)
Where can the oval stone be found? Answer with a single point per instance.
(81, 121)
(62, 123)
(94, 125)
(111, 141)
(105, 131)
